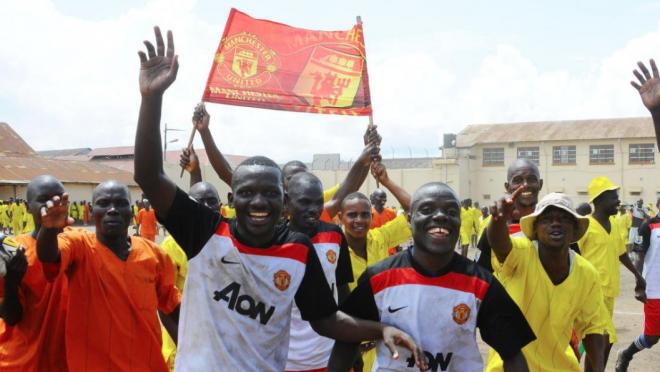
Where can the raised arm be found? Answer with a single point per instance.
(358, 172)
(54, 218)
(497, 231)
(158, 71)
(201, 120)
(190, 162)
(11, 310)
(649, 91)
(380, 173)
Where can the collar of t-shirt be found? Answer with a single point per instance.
(425, 272)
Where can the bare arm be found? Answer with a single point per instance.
(345, 328)
(355, 177)
(343, 356)
(594, 346)
(380, 173)
(54, 217)
(157, 72)
(640, 283)
(497, 231)
(171, 323)
(516, 363)
(11, 310)
(201, 120)
(649, 91)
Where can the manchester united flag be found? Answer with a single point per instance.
(265, 64)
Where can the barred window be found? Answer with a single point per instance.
(563, 155)
(601, 154)
(493, 156)
(529, 153)
(641, 153)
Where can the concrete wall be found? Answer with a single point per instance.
(636, 180)
(77, 191)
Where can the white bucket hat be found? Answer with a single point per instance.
(556, 200)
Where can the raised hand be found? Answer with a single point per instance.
(504, 209)
(371, 135)
(649, 85)
(189, 160)
(158, 69)
(379, 172)
(201, 117)
(55, 214)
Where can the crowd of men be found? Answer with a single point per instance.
(271, 282)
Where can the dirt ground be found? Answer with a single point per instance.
(629, 323)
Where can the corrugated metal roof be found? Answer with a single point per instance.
(23, 169)
(569, 130)
(65, 152)
(11, 144)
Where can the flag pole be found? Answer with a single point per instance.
(366, 80)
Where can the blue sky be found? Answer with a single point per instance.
(70, 68)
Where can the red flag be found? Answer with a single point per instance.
(265, 64)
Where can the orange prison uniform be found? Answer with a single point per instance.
(36, 342)
(112, 322)
(147, 221)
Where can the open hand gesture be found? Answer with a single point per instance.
(189, 160)
(158, 70)
(649, 89)
(201, 117)
(504, 209)
(55, 214)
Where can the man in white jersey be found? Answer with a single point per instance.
(308, 351)
(437, 295)
(244, 274)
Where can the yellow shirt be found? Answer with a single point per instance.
(227, 211)
(329, 193)
(625, 222)
(17, 213)
(180, 259)
(603, 251)
(482, 226)
(29, 223)
(4, 218)
(476, 219)
(553, 311)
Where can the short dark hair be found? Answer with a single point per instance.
(354, 195)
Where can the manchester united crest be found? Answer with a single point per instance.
(331, 256)
(245, 62)
(282, 280)
(461, 313)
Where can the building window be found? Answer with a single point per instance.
(563, 155)
(642, 153)
(494, 156)
(529, 153)
(601, 154)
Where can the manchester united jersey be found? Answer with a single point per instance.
(237, 301)
(307, 349)
(440, 311)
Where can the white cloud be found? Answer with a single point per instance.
(69, 82)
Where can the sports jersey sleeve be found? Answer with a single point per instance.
(593, 315)
(168, 295)
(314, 298)
(361, 302)
(520, 251)
(484, 258)
(394, 232)
(190, 223)
(501, 323)
(344, 271)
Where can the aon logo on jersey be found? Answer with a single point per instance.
(244, 304)
(437, 362)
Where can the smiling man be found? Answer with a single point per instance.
(438, 296)
(244, 274)
(117, 284)
(556, 289)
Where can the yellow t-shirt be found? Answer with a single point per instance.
(553, 311)
(603, 251)
(476, 219)
(180, 259)
(467, 225)
(227, 211)
(4, 219)
(482, 226)
(17, 215)
(329, 193)
(391, 234)
(625, 222)
(29, 223)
